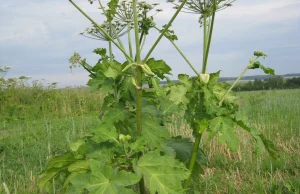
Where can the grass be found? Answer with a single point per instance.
(26, 143)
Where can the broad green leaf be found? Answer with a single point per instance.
(71, 176)
(257, 65)
(104, 180)
(112, 72)
(153, 133)
(183, 78)
(152, 110)
(159, 67)
(107, 85)
(114, 115)
(183, 148)
(61, 161)
(224, 126)
(261, 141)
(178, 94)
(79, 165)
(105, 132)
(162, 174)
(95, 83)
(267, 70)
(75, 145)
(157, 87)
(55, 166)
(213, 79)
(168, 107)
(99, 151)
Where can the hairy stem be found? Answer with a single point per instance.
(102, 30)
(165, 29)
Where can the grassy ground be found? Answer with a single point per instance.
(26, 144)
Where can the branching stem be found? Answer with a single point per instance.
(102, 30)
(181, 53)
(165, 29)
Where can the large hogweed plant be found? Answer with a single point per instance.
(132, 150)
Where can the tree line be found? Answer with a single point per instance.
(273, 83)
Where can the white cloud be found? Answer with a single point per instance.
(53, 26)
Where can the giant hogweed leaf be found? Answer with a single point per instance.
(107, 85)
(224, 126)
(153, 133)
(104, 179)
(257, 65)
(105, 132)
(157, 87)
(55, 166)
(159, 67)
(99, 151)
(183, 78)
(169, 108)
(95, 83)
(162, 174)
(261, 141)
(112, 72)
(178, 94)
(213, 79)
(183, 147)
(114, 115)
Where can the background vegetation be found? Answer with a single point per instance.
(37, 123)
(273, 83)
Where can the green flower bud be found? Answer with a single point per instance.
(259, 54)
(204, 78)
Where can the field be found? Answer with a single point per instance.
(37, 124)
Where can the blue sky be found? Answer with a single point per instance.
(37, 37)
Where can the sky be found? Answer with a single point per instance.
(37, 37)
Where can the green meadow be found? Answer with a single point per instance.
(38, 123)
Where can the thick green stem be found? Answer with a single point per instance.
(110, 50)
(102, 30)
(181, 53)
(129, 43)
(138, 71)
(193, 160)
(143, 188)
(165, 29)
(204, 44)
(209, 41)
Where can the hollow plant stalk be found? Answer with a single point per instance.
(207, 41)
(143, 189)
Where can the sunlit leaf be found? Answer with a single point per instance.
(162, 174)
